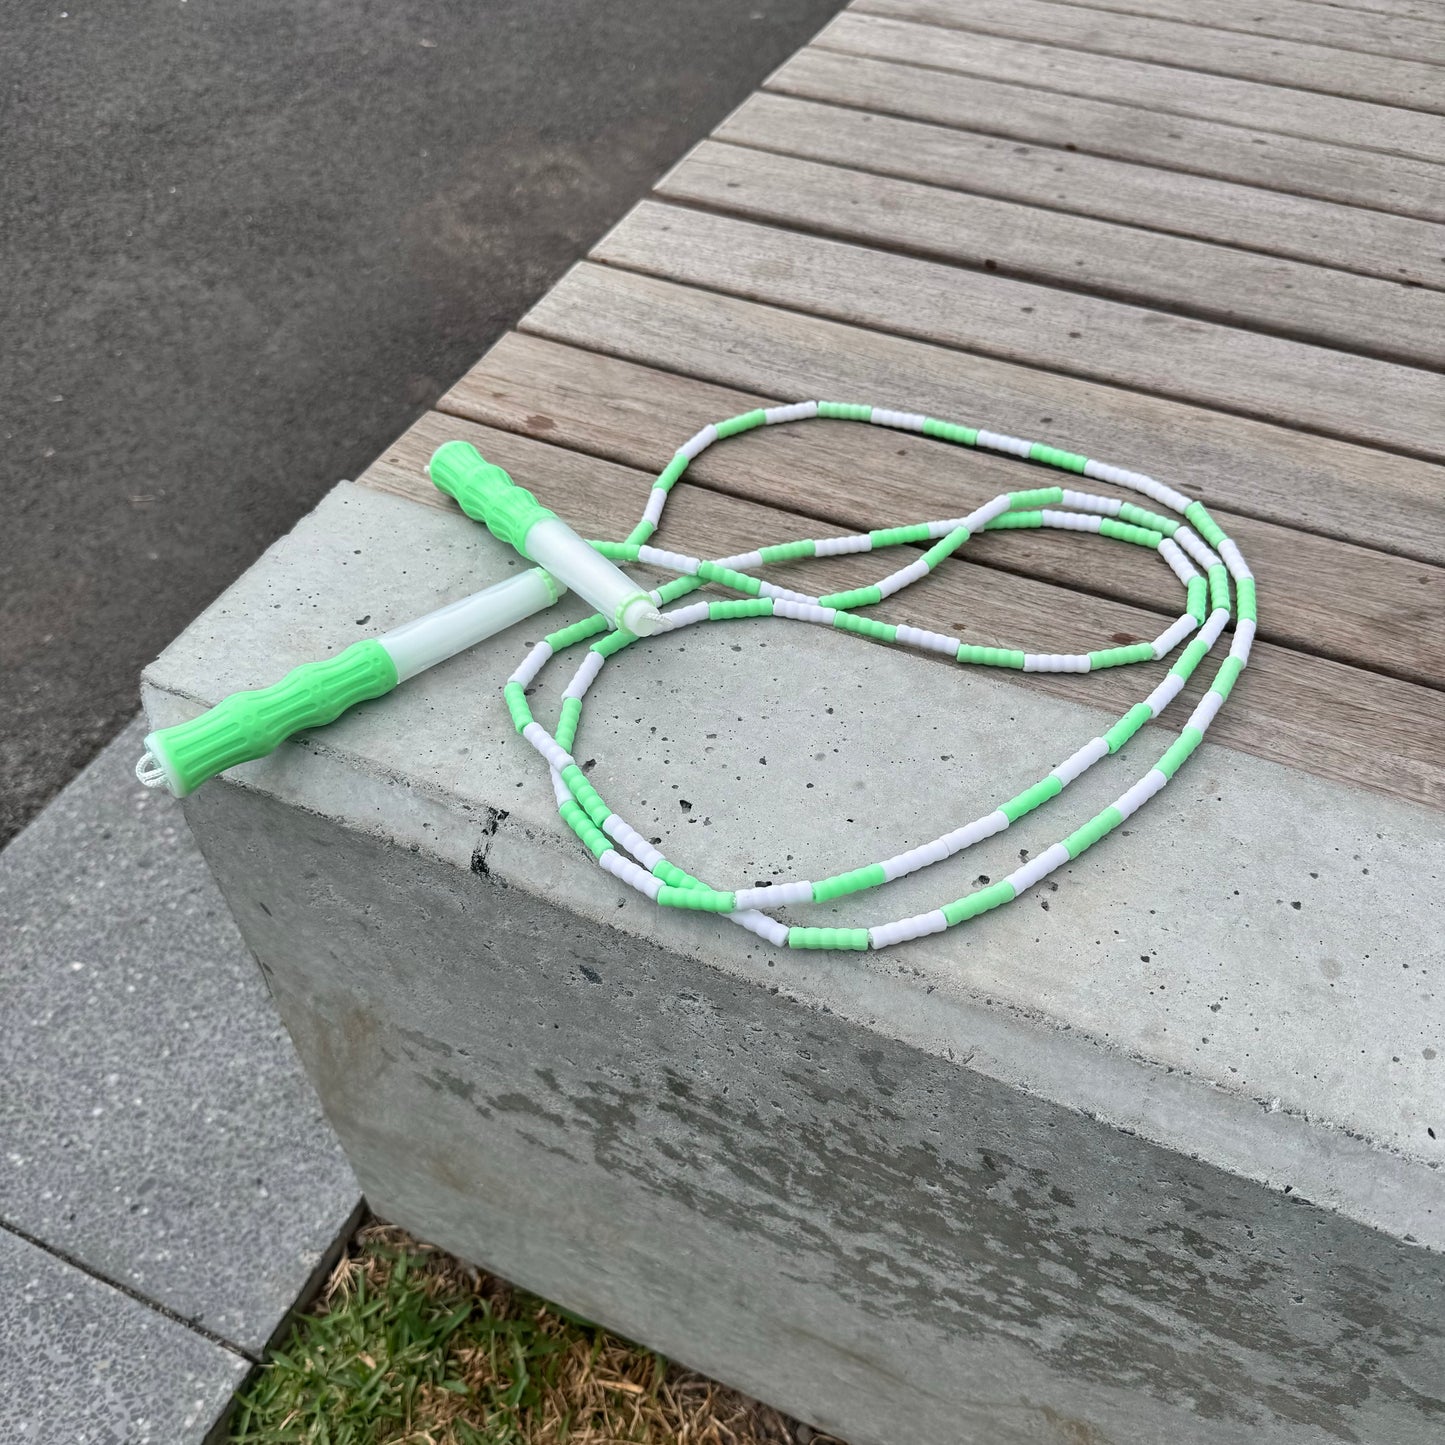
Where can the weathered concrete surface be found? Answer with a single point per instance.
(155, 1124)
(1153, 1160)
(84, 1364)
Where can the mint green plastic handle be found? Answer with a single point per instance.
(250, 725)
(486, 493)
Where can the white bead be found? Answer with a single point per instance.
(1179, 564)
(1037, 868)
(1141, 792)
(1197, 548)
(1088, 502)
(929, 641)
(585, 675)
(1234, 560)
(1172, 636)
(532, 664)
(545, 744)
(838, 546)
(699, 443)
(776, 933)
(1081, 761)
(905, 928)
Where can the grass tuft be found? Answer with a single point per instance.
(409, 1346)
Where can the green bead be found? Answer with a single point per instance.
(1121, 656)
(567, 722)
(854, 882)
(586, 794)
(972, 904)
(740, 607)
(1190, 658)
(990, 656)
(1092, 831)
(1014, 521)
(844, 411)
(671, 472)
(858, 597)
(853, 938)
(516, 697)
(1052, 456)
(614, 642)
(1152, 521)
(1204, 524)
(595, 840)
(1038, 497)
(947, 431)
(1128, 725)
(1123, 532)
(1031, 798)
(700, 899)
(1244, 599)
(1219, 586)
(1185, 744)
(865, 627)
(1227, 676)
(946, 547)
(567, 637)
(788, 551)
(746, 422)
(726, 577)
(896, 536)
(1198, 599)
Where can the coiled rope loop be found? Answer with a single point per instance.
(1195, 549)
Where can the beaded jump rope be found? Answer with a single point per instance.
(249, 725)
(1200, 555)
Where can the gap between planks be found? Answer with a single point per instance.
(1327, 597)
(1157, 89)
(1404, 37)
(1304, 712)
(1252, 468)
(1328, 392)
(1286, 164)
(1300, 65)
(1166, 202)
(1360, 315)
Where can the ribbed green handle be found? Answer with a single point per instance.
(486, 493)
(249, 725)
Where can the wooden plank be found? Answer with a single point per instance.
(1353, 397)
(1194, 46)
(1415, 9)
(1164, 89)
(1408, 37)
(1304, 712)
(1247, 467)
(1236, 288)
(1324, 596)
(1321, 232)
(1287, 164)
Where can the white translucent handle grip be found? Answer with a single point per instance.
(416, 646)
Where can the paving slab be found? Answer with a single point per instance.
(1151, 1153)
(84, 1364)
(156, 1124)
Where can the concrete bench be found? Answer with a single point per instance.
(1153, 1153)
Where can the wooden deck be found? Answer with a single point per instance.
(1202, 241)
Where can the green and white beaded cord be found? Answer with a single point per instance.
(1196, 550)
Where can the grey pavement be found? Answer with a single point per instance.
(242, 247)
(156, 1130)
(83, 1364)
